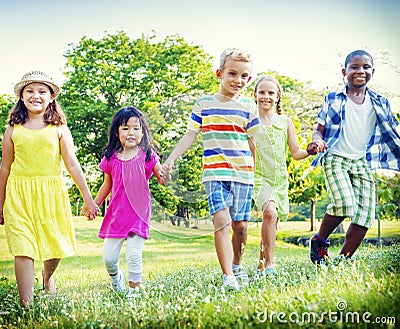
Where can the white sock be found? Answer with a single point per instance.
(234, 266)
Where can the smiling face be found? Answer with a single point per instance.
(130, 134)
(36, 98)
(234, 77)
(266, 95)
(359, 71)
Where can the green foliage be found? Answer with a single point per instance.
(6, 104)
(162, 78)
(107, 74)
(303, 209)
(388, 195)
(297, 217)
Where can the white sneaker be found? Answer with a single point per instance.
(133, 293)
(120, 284)
(241, 276)
(230, 282)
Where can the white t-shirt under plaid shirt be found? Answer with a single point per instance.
(226, 125)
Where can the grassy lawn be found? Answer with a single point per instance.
(182, 282)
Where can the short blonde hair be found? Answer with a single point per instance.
(235, 54)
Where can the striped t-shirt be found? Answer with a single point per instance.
(226, 125)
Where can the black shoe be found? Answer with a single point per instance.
(318, 250)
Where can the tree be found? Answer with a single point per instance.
(388, 195)
(160, 78)
(6, 104)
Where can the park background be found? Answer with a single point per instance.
(160, 56)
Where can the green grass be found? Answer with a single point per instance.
(182, 282)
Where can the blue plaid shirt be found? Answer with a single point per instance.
(383, 149)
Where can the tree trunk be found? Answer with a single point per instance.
(312, 213)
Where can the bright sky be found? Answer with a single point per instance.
(307, 40)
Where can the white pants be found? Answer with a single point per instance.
(134, 250)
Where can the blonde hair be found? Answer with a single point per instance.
(234, 54)
(277, 84)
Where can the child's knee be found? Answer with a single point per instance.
(270, 217)
(134, 258)
(240, 227)
(111, 265)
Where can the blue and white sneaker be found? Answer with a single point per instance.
(269, 272)
(241, 276)
(319, 250)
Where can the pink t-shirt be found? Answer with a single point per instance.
(129, 209)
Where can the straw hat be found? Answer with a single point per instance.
(35, 76)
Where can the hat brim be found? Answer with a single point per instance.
(22, 84)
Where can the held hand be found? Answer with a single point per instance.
(166, 178)
(312, 148)
(90, 210)
(166, 170)
(316, 146)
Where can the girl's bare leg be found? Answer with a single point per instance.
(23, 267)
(268, 236)
(50, 266)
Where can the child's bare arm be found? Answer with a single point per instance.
(6, 161)
(71, 163)
(294, 148)
(184, 144)
(253, 150)
(104, 190)
(162, 179)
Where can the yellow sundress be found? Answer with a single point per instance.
(37, 212)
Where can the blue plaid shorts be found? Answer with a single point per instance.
(233, 195)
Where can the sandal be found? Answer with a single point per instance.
(50, 288)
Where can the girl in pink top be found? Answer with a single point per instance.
(129, 162)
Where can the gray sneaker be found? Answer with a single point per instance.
(120, 285)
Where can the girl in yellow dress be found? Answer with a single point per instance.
(34, 202)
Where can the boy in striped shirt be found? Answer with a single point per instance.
(228, 121)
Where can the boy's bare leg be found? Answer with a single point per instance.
(354, 236)
(222, 226)
(328, 225)
(239, 239)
